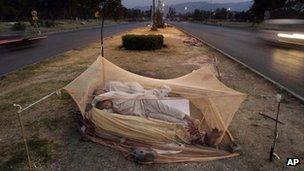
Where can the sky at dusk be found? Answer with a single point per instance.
(133, 3)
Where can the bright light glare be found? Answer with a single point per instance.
(291, 36)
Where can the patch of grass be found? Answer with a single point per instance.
(19, 26)
(40, 150)
(34, 126)
(65, 96)
(5, 107)
(51, 123)
(4, 27)
(32, 92)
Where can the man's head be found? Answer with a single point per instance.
(105, 104)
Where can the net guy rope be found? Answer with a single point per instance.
(20, 110)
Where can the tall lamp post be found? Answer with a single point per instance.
(211, 12)
(153, 17)
(228, 11)
(35, 21)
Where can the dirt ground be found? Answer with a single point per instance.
(51, 125)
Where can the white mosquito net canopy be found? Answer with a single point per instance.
(215, 103)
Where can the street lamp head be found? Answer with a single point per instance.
(34, 13)
(186, 8)
(229, 9)
(101, 6)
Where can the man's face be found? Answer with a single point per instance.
(107, 104)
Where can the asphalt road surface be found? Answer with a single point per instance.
(280, 65)
(56, 44)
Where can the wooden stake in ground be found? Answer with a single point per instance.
(58, 92)
(101, 6)
(278, 99)
(29, 163)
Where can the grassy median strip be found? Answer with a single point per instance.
(52, 124)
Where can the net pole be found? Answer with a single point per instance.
(20, 110)
(29, 163)
(278, 98)
(101, 36)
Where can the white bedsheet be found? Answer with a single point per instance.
(180, 104)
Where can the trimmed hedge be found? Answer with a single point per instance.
(142, 42)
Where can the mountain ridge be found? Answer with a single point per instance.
(203, 5)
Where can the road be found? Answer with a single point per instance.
(282, 66)
(56, 44)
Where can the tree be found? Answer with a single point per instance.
(197, 15)
(222, 13)
(159, 15)
(259, 7)
(14, 10)
(243, 16)
(171, 14)
(159, 22)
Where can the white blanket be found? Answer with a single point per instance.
(133, 99)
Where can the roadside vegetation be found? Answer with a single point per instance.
(260, 10)
(66, 10)
(51, 26)
(53, 16)
(51, 126)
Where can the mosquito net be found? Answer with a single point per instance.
(213, 103)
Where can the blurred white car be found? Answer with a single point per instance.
(288, 32)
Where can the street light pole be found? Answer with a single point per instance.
(227, 15)
(153, 16)
(151, 9)
(211, 10)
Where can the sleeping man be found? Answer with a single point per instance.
(133, 99)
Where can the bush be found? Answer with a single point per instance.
(49, 23)
(142, 42)
(45, 23)
(19, 26)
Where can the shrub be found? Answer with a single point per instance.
(45, 23)
(142, 42)
(19, 26)
(49, 23)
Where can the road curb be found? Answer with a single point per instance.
(236, 60)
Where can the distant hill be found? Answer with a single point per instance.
(191, 6)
